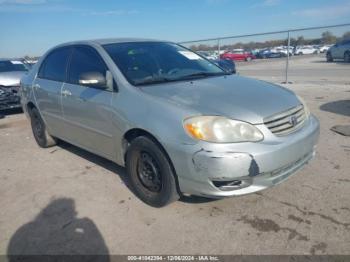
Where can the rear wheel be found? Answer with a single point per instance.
(329, 57)
(347, 57)
(42, 137)
(150, 172)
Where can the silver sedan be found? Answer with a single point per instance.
(178, 123)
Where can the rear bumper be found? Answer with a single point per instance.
(219, 170)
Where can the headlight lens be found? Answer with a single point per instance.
(219, 129)
(306, 109)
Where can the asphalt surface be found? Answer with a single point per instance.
(64, 200)
(315, 71)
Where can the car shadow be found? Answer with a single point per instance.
(8, 112)
(341, 107)
(97, 160)
(334, 62)
(121, 171)
(57, 231)
(197, 199)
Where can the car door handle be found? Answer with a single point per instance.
(66, 93)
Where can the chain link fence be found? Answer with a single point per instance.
(285, 56)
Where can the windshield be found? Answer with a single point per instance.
(9, 66)
(145, 63)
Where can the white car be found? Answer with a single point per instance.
(283, 49)
(208, 55)
(324, 48)
(305, 50)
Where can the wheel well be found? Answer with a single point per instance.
(30, 106)
(131, 134)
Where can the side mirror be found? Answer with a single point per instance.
(93, 79)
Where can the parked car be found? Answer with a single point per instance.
(238, 55)
(179, 123)
(305, 50)
(282, 50)
(227, 64)
(324, 48)
(11, 72)
(208, 55)
(339, 51)
(268, 53)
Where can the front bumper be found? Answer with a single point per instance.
(219, 170)
(9, 98)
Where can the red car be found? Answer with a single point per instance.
(238, 55)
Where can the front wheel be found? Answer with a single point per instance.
(42, 137)
(347, 57)
(150, 172)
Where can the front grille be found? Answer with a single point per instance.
(286, 122)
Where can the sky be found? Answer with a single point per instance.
(30, 27)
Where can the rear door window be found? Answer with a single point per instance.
(54, 66)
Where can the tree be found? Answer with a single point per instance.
(300, 40)
(328, 38)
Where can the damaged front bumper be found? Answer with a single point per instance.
(219, 170)
(9, 98)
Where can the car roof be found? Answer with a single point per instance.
(110, 41)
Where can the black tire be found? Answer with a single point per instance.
(150, 172)
(42, 137)
(248, 59)
(329, 57)
(347, 57)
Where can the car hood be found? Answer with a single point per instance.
(232, 96)
(11, 78)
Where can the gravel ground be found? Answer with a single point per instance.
(64, 200)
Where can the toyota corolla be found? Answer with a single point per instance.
(179, 123)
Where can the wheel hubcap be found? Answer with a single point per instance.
(149, 172)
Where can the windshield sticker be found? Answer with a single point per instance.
(16, 63)
(190, 55)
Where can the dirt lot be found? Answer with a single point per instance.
(66, 200)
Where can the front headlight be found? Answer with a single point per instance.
(306, 109)
(218, 129)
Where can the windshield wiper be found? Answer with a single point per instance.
(154, 80)
(163, 79)
(202, 74)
